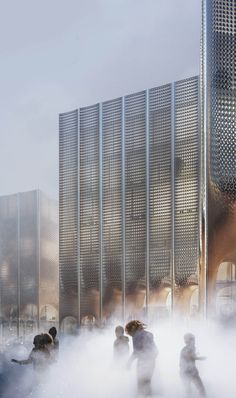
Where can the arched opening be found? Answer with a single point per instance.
(48, 313)
(48, 316)
(160, 305)
(88, 322)
(28, 322)
(226, 291)
(69, 325)
(226, 272)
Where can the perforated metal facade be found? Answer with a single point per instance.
(222, 102)
(135, 197)
(68, 213)
(160, 193)
(138, 196)
(187, 182)
(28, 262)
(89, 229)
(219, 122)
(112, 235)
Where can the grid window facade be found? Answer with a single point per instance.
(68, 213)
(133, 210)
(222, 106)
(89, 240)
(135, 193)
(112, 242)
(160, 193)
(187, 180)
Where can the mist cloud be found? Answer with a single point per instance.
(86, 368)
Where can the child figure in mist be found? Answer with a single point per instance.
(145, 351)
(54, 347)
(121, 345)
(188, 370)
(39, 356)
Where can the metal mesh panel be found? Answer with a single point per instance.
(49, 272)
(187, 152)
(112, 205)
(222, 67)
(9, 260)
(118, 174)
(160, 204)
(22, 257)
(68, 213)
(29, 256)
(219, 81)
(135, 192)
(89, 211)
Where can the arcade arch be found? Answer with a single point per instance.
(226, 290)
(69, 325)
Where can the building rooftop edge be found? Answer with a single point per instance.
(126, 95)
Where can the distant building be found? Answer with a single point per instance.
(129, 203)
(28, 262)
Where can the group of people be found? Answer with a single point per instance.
(145, 351)
(46, 348)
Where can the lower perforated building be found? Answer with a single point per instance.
(28, 264)
(129, 204)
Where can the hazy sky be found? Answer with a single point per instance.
(58, 55)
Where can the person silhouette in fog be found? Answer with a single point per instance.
(145, 351)
(121, 345)
(39, 356)
(54, 348)
(188, 371)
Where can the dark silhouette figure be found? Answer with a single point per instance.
(145, 351)
(54, 348)
(39, 356)
(121, 344)
(188, 370)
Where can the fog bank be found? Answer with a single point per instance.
(86, 366)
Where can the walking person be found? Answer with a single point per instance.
(120, 346)
(188, 370)
(145, 351)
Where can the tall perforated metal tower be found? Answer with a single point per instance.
(219, 141)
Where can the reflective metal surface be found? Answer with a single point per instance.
(68, 213)
(28, 262)
(219, 81)
(138, 204)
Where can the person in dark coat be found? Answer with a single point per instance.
(39, 356)
(188, 371)
(145, 351)
(54, 348)
(121, 344)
